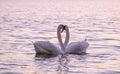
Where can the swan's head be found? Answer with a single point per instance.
(61, 28)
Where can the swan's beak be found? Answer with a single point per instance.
(63, 29)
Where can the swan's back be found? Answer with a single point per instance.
(45, 47)
(77, 47)
(72, 47)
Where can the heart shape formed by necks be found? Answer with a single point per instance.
(60, 30)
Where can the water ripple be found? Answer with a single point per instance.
(26, 21)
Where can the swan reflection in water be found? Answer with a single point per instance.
(62, 64)
(46, 47)
(51, 63)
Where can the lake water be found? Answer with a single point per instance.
(23, 21)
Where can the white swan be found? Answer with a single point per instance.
(45, 47)
(75, 47)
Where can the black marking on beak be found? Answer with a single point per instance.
(63, 28)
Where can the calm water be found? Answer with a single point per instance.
(26, 21)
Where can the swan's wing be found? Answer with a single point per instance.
(45, 47)
(77, 47)
(72, 47)
(39, 47)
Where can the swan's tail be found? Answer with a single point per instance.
(32, 42)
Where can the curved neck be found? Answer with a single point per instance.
(60, 40)
(67, 36)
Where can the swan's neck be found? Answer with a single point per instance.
(60, 41)
(67, 36)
